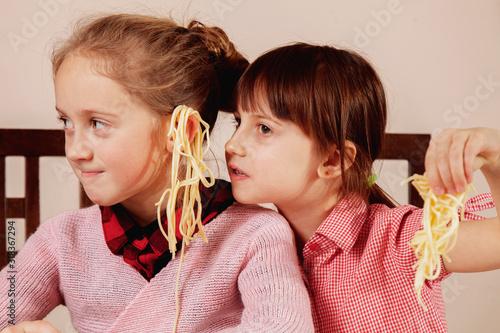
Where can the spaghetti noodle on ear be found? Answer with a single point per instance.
(439, 232)
(193, 154)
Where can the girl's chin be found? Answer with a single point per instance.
(244, 200)
(100, 201)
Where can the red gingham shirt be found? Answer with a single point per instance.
(359, 267)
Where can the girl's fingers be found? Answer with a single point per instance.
(444, 162)
(472, 161)
(457, 164)
(455, 154)
(431, 165)
(444, 169)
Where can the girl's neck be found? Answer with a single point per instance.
(141, 214)
(142, 207)
(306, 218)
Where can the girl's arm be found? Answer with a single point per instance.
(272, 289)
(451, 159)
(29, 283)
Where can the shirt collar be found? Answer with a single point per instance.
(142, 247)
(120, 229)
(344, 223)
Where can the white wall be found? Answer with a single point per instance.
(440, 61)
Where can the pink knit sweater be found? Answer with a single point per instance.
(245, 279)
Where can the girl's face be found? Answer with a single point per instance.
(109, 139)
(272, 161)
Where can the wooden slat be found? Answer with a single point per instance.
(32, 191)
(410, 147)
(30, 142)
(16, 207)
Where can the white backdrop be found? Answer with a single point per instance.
(439, 60)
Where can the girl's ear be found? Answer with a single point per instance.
(192, 126)
(331, 168)
(170, 144)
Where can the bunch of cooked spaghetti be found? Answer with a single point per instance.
(439, 233)
(191, 202)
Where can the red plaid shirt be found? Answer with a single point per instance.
(359, 267)
(146, 248)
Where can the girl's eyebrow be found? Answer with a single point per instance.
(91, 113)
(267, 118)
(99, 113)
(59, 112)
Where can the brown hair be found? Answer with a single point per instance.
(333, 95)
(160, 64)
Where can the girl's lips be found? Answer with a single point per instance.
(87, 174)
(236, 173)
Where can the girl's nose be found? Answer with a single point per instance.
(78, 147)
(234, 146)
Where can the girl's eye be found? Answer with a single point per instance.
(96, 124)
(66, 122)
(264, 129)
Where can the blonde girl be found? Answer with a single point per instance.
(118, 79)
(310, 123)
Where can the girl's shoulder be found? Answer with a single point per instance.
(82, 214)
(252, 212)
(399, 213)
(404, 218)
(73, 220)
(248, 229)
(252, 218)
(64, 231)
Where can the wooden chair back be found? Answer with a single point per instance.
(412, 148)
(31, 144)
(34, 143)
